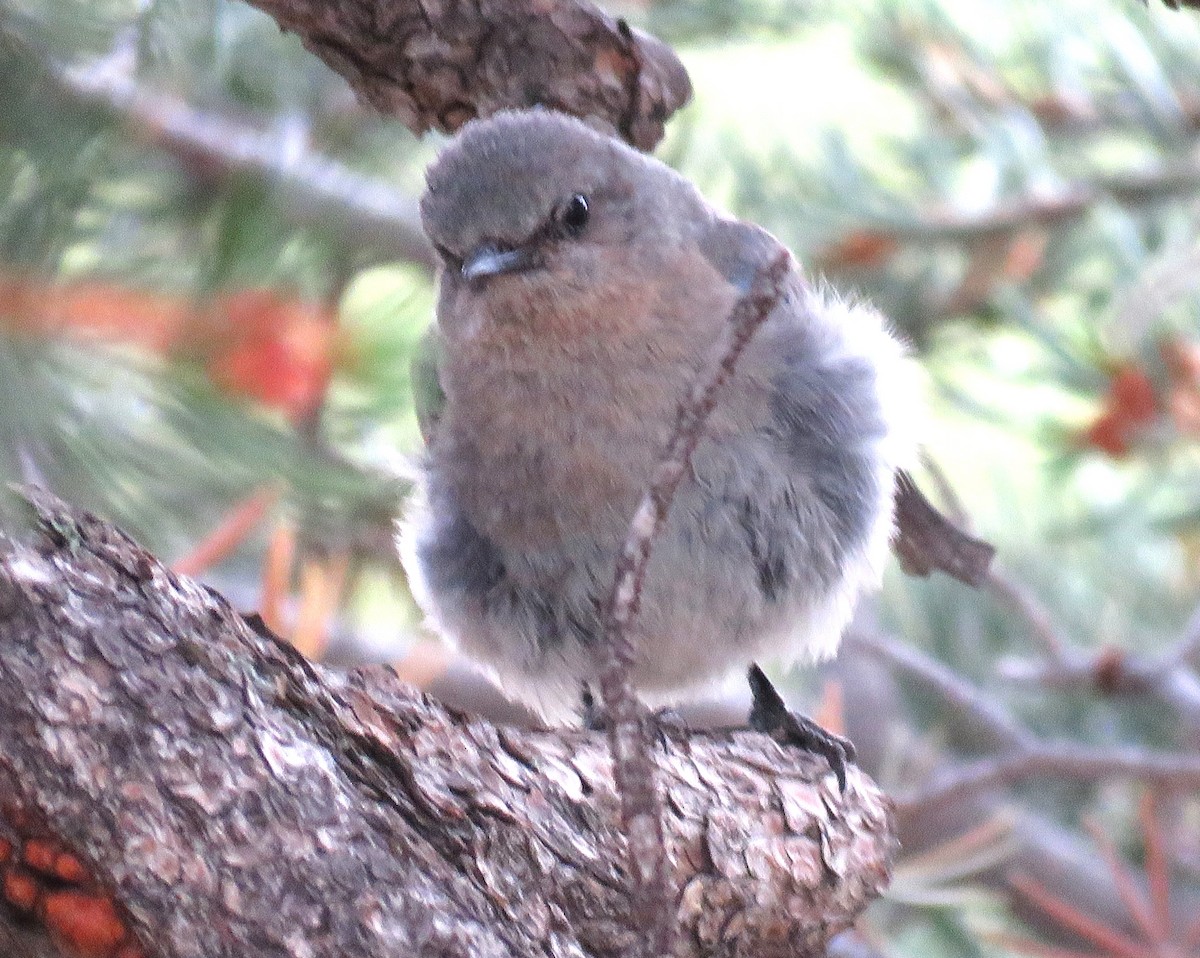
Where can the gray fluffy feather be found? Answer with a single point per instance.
(787, 513)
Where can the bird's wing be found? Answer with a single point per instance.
(825, 420)
(925, 539)
(428, 396)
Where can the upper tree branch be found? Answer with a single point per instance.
(434, 64)
(239, 800)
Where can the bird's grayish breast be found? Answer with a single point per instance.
(773, 508)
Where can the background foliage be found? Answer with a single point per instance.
(200, 339)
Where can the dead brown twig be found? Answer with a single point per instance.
(629, 740)
(1062, 760)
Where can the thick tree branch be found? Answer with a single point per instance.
(436, 65)
(237, 800)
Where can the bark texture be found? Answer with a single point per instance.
(238, 800)
(435, 64)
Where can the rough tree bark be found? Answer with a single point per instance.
(237, 800)
(435, 64)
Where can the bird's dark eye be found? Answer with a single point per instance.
(574, 214)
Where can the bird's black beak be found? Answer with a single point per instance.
(487, 259)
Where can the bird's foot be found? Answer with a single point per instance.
(670, 724)
(595, 719)
(770, 715)
(666, 724)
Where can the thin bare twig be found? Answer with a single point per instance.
(313, 188)
(634, 769)
(1186, 651)
(1069, 761)
(955, 510)
(986, 714)
(1113, 671)
(1025, 604)
(1108, 670)
(1070, 202)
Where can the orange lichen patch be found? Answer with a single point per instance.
(40, 877)
(39, 854)
(20, 889)
(47, 856)
(85, 923)
(70, 869)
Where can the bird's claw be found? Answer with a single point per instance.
(770, 716)
(592, 713)
(802, 732)
(666, 725)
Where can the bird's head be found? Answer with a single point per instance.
(535, 212)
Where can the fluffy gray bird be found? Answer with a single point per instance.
(583, 286)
